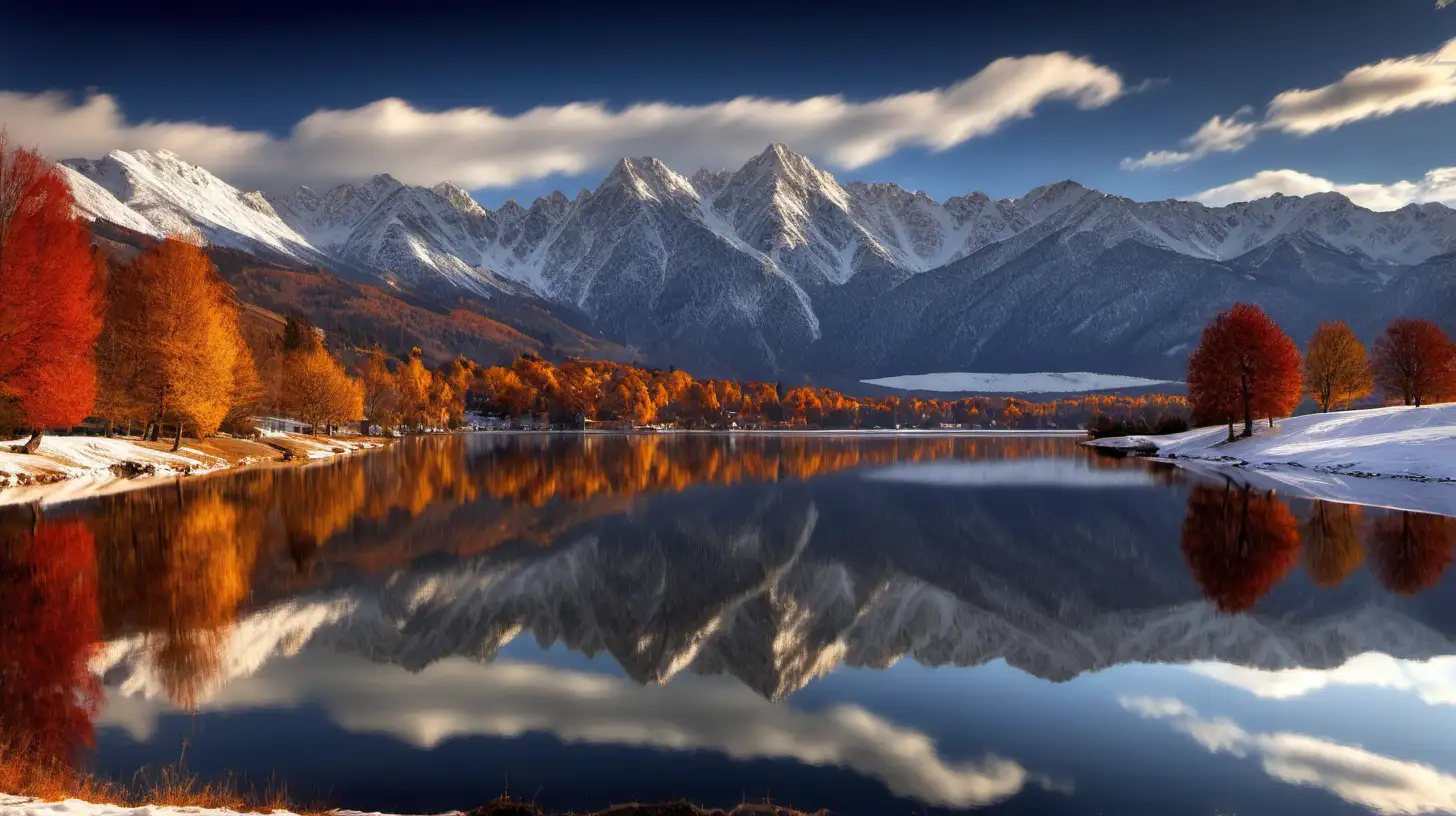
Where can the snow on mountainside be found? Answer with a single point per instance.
(1073, 382)
(777, 266)
(158, 193)
(775, 621)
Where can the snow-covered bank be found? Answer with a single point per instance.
(1332, 455)
(70, 467)
(21, 806)
(1071, 382)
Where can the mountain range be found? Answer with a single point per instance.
(777, 268)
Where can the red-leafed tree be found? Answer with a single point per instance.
(1238, 543)
(1414, 362)
(49, 622)
(1245, 367)
(1411, 550)
(49, 312)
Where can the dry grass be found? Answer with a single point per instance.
(23, 773)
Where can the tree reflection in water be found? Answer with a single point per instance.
(1411, 551)
(177, 565)
(1332, 548)
(49, 622)
(1239, 543)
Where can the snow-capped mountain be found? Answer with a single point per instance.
(777, 266)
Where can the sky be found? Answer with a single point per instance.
(1149, 100)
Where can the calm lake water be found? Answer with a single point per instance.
(869, 625)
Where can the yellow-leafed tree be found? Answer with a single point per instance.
(1336, 368)
(177, 341)
(321, 393)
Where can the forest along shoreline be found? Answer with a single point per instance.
(73, 467)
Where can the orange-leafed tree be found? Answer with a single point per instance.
(1336, 367)
(413, 381)
(381, 393)
(49, 621)
(1238, 543)
(1332, 548)
(191, 364)
(1245, 367)
(49, 309)
(1414, 362)
(323, 395)
(1410, 551)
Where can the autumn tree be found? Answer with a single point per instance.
(49, 309)
(1238, 543)
(1414, 362)
(381, 393)
(323, 395)
(189, 365)
(506, 390)
(1245, 367)
(413, 381)
(1336, 368)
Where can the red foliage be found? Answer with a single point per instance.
(1415, 362)
(49, 312)
(1411, 551)
(1245, 367)
(49, 621)
(1238, 543)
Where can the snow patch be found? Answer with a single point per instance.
(1041, 383)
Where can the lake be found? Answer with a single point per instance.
(873, 625)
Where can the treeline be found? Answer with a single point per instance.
(1247, 368)
(602, 390)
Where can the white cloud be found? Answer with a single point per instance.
(1437, 185)
(1368, 92)
(1433, 681)
(1218, 135)
(1381, 783)
(478, 147)
(456, 697)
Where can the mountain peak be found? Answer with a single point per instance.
(458, 198)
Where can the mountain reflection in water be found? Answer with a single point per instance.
(756, 564)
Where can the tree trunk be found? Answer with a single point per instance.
(363, 427)
(1271, 421)
(177, 441)
(1231, 432)
(110, 428)
(32, 445)
(1248, 412)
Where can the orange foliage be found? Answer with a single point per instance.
(49, 619)
(49, 309)
(1336, 368)
(1411, 550)
(1238, 543)
(1332, 548)
(1415, 362)
(1245, 367)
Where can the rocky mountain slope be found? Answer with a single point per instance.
(778, 267)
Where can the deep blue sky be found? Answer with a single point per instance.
(270, 67)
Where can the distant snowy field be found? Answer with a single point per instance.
(1070, 382)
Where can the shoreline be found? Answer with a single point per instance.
(70, 468)
(14, 805)
(1401, 457)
